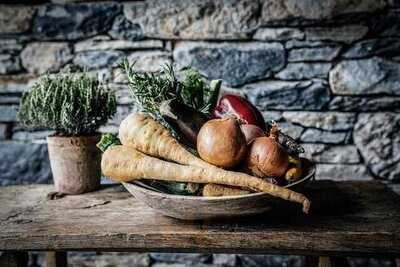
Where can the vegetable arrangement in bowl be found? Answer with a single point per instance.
(185, 141)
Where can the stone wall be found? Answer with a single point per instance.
(327, 71)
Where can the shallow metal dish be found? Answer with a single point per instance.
(197, 207)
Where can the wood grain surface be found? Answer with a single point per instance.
(348, 218)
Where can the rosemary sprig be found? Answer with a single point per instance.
(149, 89)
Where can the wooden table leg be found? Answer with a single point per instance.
(323, 261)
(14, 259)
(56, 259)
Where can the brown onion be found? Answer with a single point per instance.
(251, 132)
(221, 142)
(267, 157)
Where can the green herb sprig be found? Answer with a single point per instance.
(150, 89)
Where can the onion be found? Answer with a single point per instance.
(251, 132)
(221, 142)
(267, 157)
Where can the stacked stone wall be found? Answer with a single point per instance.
(327, 71)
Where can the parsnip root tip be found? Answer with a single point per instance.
(306, 206)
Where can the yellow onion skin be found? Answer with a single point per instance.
(222, 143)
(267, 157)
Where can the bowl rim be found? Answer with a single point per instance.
(136, 184)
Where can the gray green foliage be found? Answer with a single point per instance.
(72, 104)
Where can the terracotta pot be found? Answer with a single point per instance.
(75, 163)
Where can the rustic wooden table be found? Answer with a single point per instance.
(347, 219)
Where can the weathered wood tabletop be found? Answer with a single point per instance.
(348, 218)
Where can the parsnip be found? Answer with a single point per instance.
(217, 190)
(123, 163)
(150, 137)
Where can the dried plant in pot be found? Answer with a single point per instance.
(74, 105)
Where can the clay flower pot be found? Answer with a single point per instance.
(75, 163)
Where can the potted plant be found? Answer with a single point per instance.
(74, 105)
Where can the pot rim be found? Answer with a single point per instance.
(75, 139)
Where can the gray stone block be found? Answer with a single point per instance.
(285, 95)
(150, 61)
(180, 19)
(294, 131)
(278, 34)
(122, 92)
(105, 43)
(271, 115)
(27, 136)
(24, 163)
(292, 44)
(125, 30)
(73, 20)
(108, 259)
(187, 258)
(15, 18)
(322, 153)
(9, 64)
(15, 84)
(39, 58)
(226, 260)
(319, 136)
(326, 53)
(8, 113)
(304, 70)
(387, 47)
(387, 24)
(365, 76)
(377, 138)
(346, 33)
(370, 262)
(301, 12)
(271, 260)
(235, 63)
(98, 59)
(9, 100)
(362, 103)
(329, 121)
(10, 46)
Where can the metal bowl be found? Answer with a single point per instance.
(199, 208)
